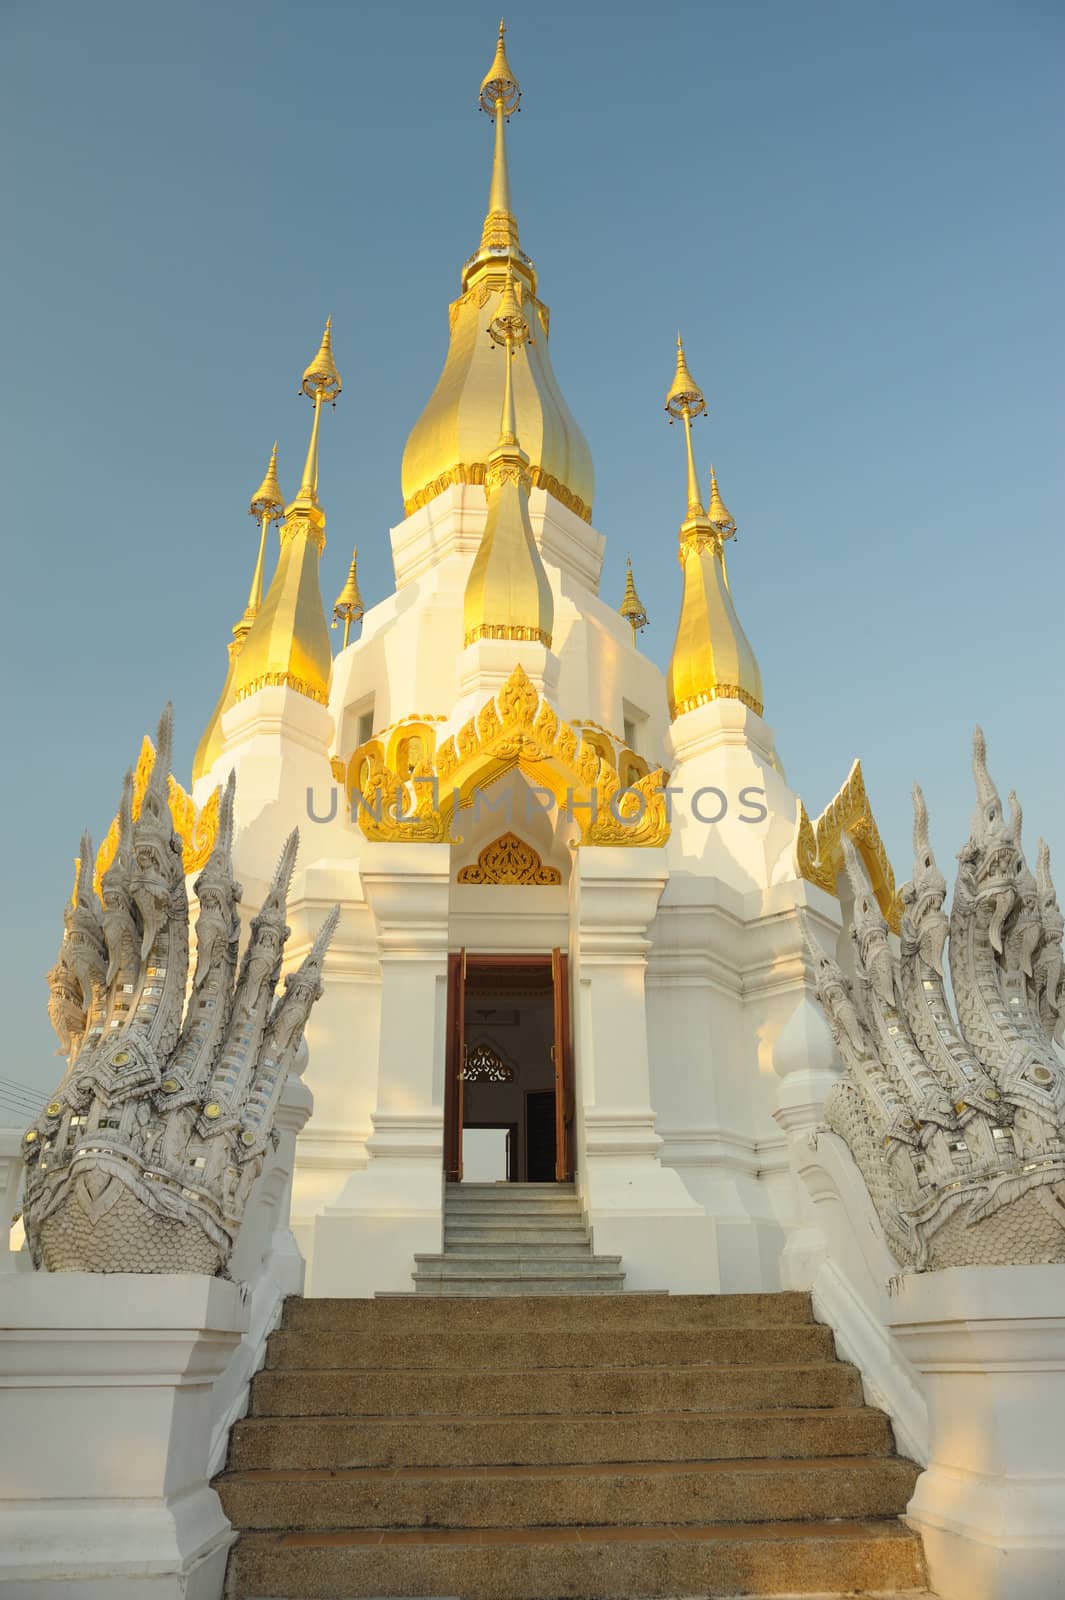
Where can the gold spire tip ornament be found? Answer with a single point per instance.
(268, 501)
(684, 394)
(321, 377)
(500, 89)
(685, 400)
(509, 326)
(632, 607)
(718, 512)
(349, 607)
(321, 383)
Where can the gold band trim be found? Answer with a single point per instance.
(501, 630)
(475, 473)
(283, 680)
(723, 691)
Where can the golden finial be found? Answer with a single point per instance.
(718, 512)
(500, 96)
(268, 504)
(631, 607)
(509, 328)
(499, 87)
(322, 377)
(349, 607)
(321, 382)
(684, 393)
(685, 400)
(268, 501)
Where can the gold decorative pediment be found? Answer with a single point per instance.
(515, 728)
(819, 845)
(509, 859)
(196, 829)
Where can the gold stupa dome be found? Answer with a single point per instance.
(459, 428)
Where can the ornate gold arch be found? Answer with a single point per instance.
(515, 728)
(509, 859)
(819, 845)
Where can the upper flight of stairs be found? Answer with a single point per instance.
(516, 1239)
(504, 1448)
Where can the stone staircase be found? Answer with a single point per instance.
(505, 1448)
(516, 1239)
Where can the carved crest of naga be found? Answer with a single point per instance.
(955, 1111)
(144, 1158)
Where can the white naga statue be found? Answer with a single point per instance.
(956, 1118)
(143, 1159)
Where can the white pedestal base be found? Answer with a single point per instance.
(990, 1345)
(107, 1423)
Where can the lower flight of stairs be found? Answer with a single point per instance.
(533, 1449)
(516, 1238)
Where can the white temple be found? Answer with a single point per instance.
(507, 704)
(560, 993)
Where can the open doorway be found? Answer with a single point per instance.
(508, 1105)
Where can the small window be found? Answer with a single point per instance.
(365, 727)
(630, 733)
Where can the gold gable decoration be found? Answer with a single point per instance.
(196, 829)
(819, 845)
(509, 859)
(515, 728)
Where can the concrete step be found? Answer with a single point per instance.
(454, 1440)
(628, 1312)
(543, 1349)
(529, 1210)
(502, 1264)
(564, 1390)
(560, 1231)
(531, 1249)
(607, 1495)
(515, 1286)
(502, 1564)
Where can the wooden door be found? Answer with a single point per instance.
(563, 1058)
(454, 1068)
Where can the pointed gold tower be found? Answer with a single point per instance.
(348, 607)
(712, 659)
(458, 430)
(268, 505)
(288, 644)
(507, 592)
(631, 607)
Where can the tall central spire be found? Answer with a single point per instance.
(458, 430)
(500, 98)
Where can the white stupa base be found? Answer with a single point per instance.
(107, 1409)
(989, 1343)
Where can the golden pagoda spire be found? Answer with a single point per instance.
(507, 592)
(268, 504)
(717, 511)
(452, 439)
(348, 607)
(712, 658)
(321, 382)
(288, 644)
(685, 400)
(631, 607)
(499, 98)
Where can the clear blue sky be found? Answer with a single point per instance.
(852, 210)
